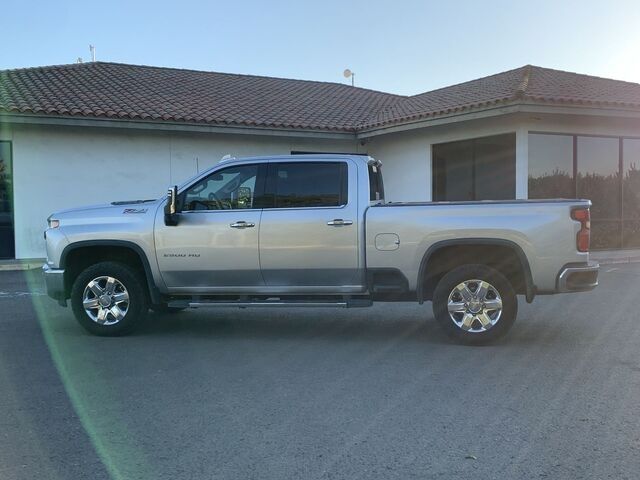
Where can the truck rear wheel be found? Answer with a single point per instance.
(475, 304)
(109, 299)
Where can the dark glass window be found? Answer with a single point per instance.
(453, 171)
(607, 173)
(631, 193)
(376, 187)
(478, 169)
(232, 188)
(599, 180)
(551, 166)
(6, 202)
(308, 184)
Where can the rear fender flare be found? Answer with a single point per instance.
(530, 289)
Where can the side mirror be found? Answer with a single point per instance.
(171, 211)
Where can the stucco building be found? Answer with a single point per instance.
(91, 133)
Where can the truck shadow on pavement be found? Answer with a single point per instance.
(376, 326)
(325, 324)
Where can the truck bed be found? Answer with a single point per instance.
(542, 229)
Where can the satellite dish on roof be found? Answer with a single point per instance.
(349, 74)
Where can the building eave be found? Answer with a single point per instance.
(521, 106)
(167, 126)
(437, 120)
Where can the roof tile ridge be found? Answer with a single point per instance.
(521, 91)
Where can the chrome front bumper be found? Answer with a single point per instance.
(578, 277)
(54, 283)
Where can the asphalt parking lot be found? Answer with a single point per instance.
(374, 393)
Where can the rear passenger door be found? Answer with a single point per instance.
(309, 232)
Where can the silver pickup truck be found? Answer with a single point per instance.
(313, 230)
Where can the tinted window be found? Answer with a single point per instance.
(308, 184)
(228, 189)
(551, 166)
(478, 169)
(376, 188)
(599, 181)
(6, 202)
(631, 193)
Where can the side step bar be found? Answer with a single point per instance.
(276, 302)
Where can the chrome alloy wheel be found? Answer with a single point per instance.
(105, 300)
(474, 306)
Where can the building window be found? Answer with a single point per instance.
(478, 169)
(598, 180)
(631, 193)
(6, 202)
(606, 170)
(551, 166)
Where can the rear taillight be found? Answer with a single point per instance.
(583, 238)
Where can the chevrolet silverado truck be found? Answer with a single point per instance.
(314, 231)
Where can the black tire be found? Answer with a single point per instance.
(499, 283)
(137, 305)
(163, 308)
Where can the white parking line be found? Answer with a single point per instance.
(20, 294)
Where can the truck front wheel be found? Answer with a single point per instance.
(475, 304)
(109, 299)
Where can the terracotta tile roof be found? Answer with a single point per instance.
(528, 83)
(132, 92)
(464, 96)
(111, 90)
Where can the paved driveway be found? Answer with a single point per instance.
(373, 393)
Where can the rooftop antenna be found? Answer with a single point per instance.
(79, 60)
(92, 49)
(349, 74)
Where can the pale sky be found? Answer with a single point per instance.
(404, 47)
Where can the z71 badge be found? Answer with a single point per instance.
(135, 210)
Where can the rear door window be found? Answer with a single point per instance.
(308, 184)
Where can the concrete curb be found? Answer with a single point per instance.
(21, 265)
(616, 261)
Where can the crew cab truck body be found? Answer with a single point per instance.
(314, 230)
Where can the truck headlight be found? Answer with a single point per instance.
(53, 223)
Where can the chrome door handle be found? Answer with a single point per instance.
(242, 224)
(338, 222)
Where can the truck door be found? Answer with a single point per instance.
(214, 247)
(309, 234)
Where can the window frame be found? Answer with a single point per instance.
(270, 185)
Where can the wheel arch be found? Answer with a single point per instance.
(78, 255)
(426, 284)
